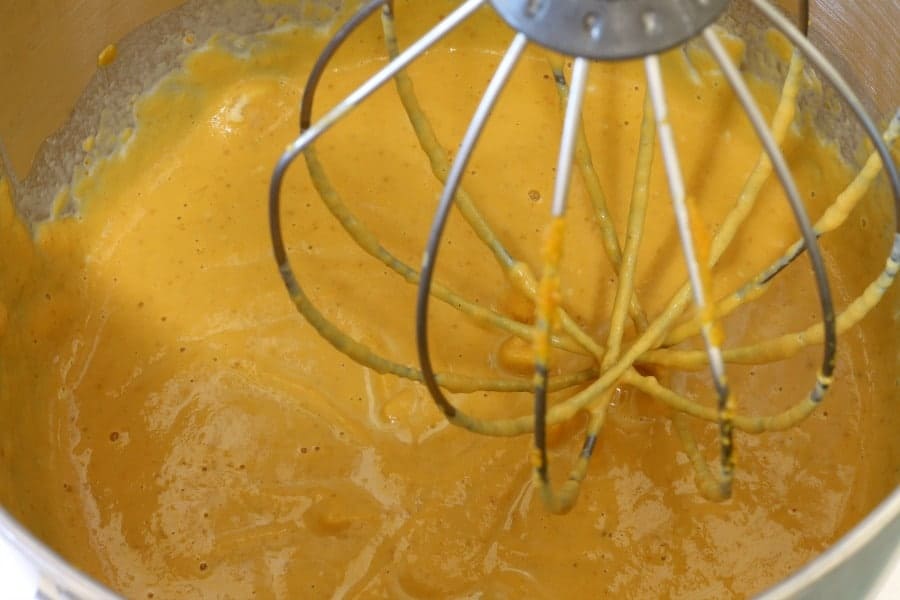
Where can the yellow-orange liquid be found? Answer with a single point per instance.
(175, 428)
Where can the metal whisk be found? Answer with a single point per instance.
(586, 31)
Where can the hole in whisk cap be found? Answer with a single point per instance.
(532, 7)
(593, 23)
(652, 25)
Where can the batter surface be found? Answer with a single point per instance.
(181, 431)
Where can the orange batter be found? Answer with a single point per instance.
(175, 428)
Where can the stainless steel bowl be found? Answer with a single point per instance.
(48, 49)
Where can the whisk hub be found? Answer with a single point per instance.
(609, 29)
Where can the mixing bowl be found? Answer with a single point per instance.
(48, 56)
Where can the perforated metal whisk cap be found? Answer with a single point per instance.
(609, 29)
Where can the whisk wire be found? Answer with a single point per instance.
(591, 180)
(548, 290)
(384, 75)
(695, 248)
(330, 49)
(458, 168)
(564, 500)
(810, 240)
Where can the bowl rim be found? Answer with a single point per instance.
(840, 555)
